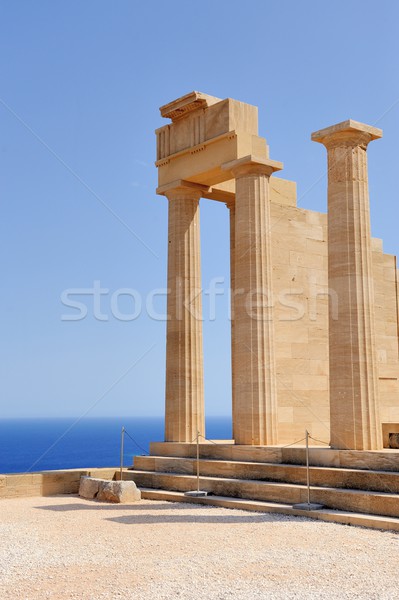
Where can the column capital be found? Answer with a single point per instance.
(348, 133)
(181, 188)
(252, 165)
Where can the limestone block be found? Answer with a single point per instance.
(300, 350)
(283, 350)
(16, 480)
(283, 191)
(52, 489)
(394, 413)
(318, 367)
(89, 487)
(316, 218)
(388, 371)
(290, 398)
(316, 246)
(376, 245)
(387, 260)
(389, 273)
(286, 414)
(284, 382)
(20, 491)
(310, 382)
(109, 491)
(118, 492)
(319, 351)
(291, 365)
(298, 221)
(316, 233)
(382, 356)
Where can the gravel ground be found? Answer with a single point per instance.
(66, 547)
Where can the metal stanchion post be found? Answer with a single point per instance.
(307, 465)
(307, 505)
(198, 433)
(122, 450)
(197, 493)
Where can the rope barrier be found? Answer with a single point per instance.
(293, 443)
(216, 444)
(136, 443)
(208, 440)
(320, 441)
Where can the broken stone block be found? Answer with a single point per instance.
(118, 492)
(89, 487)
(108, 491)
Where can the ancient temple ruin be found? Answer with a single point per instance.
(314, 328)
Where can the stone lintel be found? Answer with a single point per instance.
(252, 164)
(220, 195)
(184, 105)
(181, 184)
(347, 128)
(282, 191)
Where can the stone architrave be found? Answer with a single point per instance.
(354, 404)
(254, 379)
(184, 398)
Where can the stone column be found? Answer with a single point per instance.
(354, 406)
(184, 402)
(254, 374)
(232, 212)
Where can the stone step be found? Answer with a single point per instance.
(358, 479)
(384, 460)
(369, 502)
(336, 516)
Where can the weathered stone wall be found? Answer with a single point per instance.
(48, 483)
(300, 284)
(386, 321)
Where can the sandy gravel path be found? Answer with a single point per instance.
(68, 548)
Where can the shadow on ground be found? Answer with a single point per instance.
(141, 513)
(217, 519)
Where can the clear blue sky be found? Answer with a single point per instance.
(81, 83)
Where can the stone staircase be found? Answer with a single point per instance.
(364, 485)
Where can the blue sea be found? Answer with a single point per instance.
(42, 444)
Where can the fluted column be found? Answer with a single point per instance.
(184, 403)
(254, 378)
(232, 213)
(354, 405)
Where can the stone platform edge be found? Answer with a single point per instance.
(377, 460)
(50, 483)
(66, 481)
(330, 515)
